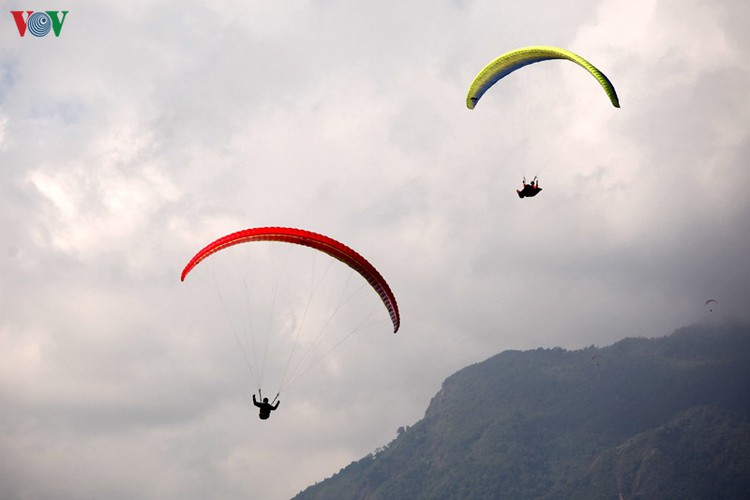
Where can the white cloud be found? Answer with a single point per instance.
(149, 129)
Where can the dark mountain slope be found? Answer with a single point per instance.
(645, 418)
(703, 452)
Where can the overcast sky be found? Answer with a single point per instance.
(148, 128)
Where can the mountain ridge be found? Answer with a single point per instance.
(588, 423)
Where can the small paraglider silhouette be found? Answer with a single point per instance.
(529, 190)
(712, 302)
(596, 358)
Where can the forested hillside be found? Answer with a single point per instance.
(644, 418)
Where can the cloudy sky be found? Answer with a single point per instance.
(148, 128)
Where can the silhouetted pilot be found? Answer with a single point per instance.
(265, 408)
(529, 190)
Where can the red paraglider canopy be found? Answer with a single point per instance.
(313, 240)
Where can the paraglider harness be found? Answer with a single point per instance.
(265, 407)
(529, 190)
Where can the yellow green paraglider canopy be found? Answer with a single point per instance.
(516, 59)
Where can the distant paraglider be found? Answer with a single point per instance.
(710, 303)
(287, 326)
(517, 59)
(596, 359)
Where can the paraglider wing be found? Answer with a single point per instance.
(711, 301)
(517, 59)
(313, 240)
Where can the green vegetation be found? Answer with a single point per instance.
(647, 418)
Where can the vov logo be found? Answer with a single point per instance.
(39, 24)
